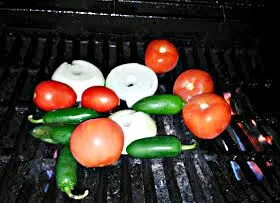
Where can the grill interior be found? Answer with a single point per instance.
(241, 165)
(233, 167)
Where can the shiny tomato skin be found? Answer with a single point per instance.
(161, 56)
(97, 142)
(51, 95)
(192, 82)
(207, 115)
(100, 98)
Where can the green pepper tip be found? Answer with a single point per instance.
(188, 147)
(67, 190)
(30, 118)
(183, 103)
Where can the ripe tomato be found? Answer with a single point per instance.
(97, 142)
(161, 56)
(207, 115)
(193, 82)
(100, 98)
(50, 95)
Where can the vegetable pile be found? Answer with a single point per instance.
(82, 116)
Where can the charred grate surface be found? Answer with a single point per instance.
(238, 166)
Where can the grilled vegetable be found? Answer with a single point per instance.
(55, 133)
(66, 173)
(67, 115)
(79, 75)
(193, 82)
(161, 56)
(132, 82)
(135, 125)
(156, 147)
(100, 98)
(207, 115)
(160, 104)
(97, 142)
(47, 95)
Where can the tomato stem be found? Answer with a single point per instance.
(183, 103)
(30, 118)
(67, 190)
(188, 147)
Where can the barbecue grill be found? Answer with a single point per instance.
(224, 38)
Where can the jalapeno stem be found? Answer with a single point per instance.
(188, 147)
(30, 118)
(67, 190)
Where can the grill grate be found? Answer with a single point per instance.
(218, 171)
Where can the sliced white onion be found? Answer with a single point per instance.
(132, 82)
(135, 125)
(79, 75)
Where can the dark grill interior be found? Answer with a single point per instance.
(241, 165)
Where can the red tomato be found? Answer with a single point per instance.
(193, 82)
(100, 98)
(161, 56)
(207, 115)
(97, 142)
(50, 95)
